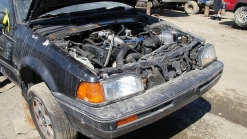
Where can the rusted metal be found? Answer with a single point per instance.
(28, 115)
(72, 30)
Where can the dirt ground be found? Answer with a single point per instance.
(220, 113)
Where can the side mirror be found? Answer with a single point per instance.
(2, 14)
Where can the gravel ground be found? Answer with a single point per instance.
(220, 113)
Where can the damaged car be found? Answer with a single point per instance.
(101, 68)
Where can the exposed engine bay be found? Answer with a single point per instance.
(157, 52)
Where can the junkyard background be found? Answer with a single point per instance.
(220, 113)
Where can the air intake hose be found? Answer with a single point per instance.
(121, 54)
(150, 43)
(91, 42)
(131, 58)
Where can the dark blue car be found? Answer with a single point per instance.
(100, 68)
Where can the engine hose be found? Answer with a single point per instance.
(152, 42)
(133, 50)
(137, 30)
(89, 55)
(101, 38)
(96, 60)
(147, 50)
(145, 32)
(121, 54)
(80, 44)
(131, 58)
(120, 30)
(110, 49)
(91, 41)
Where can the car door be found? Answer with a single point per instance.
(7, 43)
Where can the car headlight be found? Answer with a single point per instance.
(206, 55)
(121, 86)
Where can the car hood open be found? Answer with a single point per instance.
(39, 7)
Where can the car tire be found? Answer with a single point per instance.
(47, 115)
(240, 17)
(191, 7)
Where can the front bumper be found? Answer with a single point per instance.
(150, 106)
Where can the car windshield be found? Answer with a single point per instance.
(3, 5)
(23, 7)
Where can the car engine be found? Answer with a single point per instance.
(157, 52)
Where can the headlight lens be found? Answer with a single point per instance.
(120, 86)
(206, 55)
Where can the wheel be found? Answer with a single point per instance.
(240, 16)
(191, 7)
(47, 116)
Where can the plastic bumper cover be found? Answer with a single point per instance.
(151, 106)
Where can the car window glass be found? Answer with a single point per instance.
(22, 8)
(4, 4)
(1, 26)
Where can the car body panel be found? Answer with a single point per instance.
(28, 45)
(24, 48)
(52, 64)
(232, 5)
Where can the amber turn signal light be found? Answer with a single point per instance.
(126, 120)
(90, 92)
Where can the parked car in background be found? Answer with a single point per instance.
(101, 68)
(190, 6)
(194, 6)
(239, 7)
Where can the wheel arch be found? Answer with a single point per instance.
(33, 71)
(239, 5)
